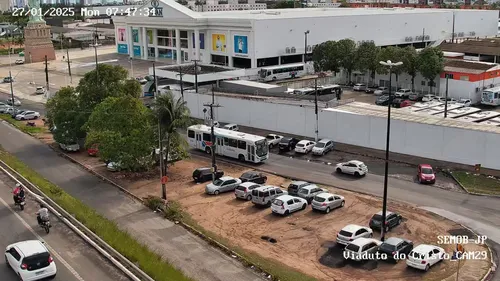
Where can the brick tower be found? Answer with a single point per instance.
(37, 42)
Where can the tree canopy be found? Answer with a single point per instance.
(123, 129)
(431, 63)
(325, 56)
(366, 58)
(346, 52)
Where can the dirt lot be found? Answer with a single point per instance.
(305, 240)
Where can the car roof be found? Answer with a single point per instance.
(393, 241)
(310, 186)
(266, 187)
(359, 84)
(251, 172)
(305, 141)
(361, 241)
(328, 194)
(324, 140)
(225, 178)
(230, 125)
(357, 162)
(202, 169)
(299, 182)
(248, 184)
(30, 247)
(286, 197)
(387, 213)
(425, 166)
(352, 227)
(424, 248)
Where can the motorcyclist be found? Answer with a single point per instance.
(42, 214)
(18, 193)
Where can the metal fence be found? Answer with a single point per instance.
(305, 83)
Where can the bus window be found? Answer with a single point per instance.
(233, 143)
(206, 137)
(190, 134)
(242, 145)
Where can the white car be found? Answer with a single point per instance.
(381, 91)
(424, 256)
(16, 102)
(403, 93)
(231, 127)
(20, 61)
(304, 146)
(322, 147)
(287, 204)
(28, 115)
(30, 260)
(465, 102)
(40, 90)
(69, 147)
(361, 247)
(113, 166)
(141, 80)
(351, 232)
(359, 87)
(273, 139)
(353, 167)
(428, 98)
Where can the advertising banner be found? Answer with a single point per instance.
(219, 42)
(135, 35)
(137, 51)
(122, 49)
(122, 35)
(241, 44)
(149, 33)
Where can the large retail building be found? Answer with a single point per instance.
(251, 39)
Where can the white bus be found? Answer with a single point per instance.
(285, 71)
(234, 144)
(491, 96)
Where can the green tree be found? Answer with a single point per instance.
(393, 54)
(367, 58)
(346, 52)
(325, 57)
(123, 129)
(283, 5)
(411, 63)
(63, 115)
(431, 63)
(132, 87)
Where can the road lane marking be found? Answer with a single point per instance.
(53, 252)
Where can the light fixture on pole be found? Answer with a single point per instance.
(305, 45)
(390, 65)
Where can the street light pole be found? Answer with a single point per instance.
(305, 45)
(386, 174)
(447, 75)
(131, 67)
(181, 83)
(196, 75)
(316, 107)
(69, 64)
(160, 142)
(10, 77)
(212, 132)
(95, 53)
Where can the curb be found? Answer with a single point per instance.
(467, 191)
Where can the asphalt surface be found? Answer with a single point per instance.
(180, 247)
(75, 260)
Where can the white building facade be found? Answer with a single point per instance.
(252, 39)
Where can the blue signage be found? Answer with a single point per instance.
(155, 10)
(241, 45)
(122, 49)
(137, 51)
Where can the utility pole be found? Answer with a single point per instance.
(453, 30)
(10, 78)
(69, 64)
(447, 75)
(160, 142)
(196, 75)
(96, 36)
(212, 132)
(423, 38)
(47, 74)
(180, 81)
(316, 107)
(305, 45)
(32, 73)
(131, 66)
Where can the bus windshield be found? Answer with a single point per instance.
(263, 73)
(487, 96)
(261, 148)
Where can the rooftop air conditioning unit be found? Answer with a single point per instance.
(292, 50)
(287, 50)
(427, 37)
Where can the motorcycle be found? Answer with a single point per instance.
(21, 201)
(46, 225)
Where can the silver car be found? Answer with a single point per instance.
(322, 147)
(223, 184)
(308, 192)
(264, 195)
(325, 202)
(244, 190)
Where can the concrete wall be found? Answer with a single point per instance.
(436, 142)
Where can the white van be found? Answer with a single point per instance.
(231, 127)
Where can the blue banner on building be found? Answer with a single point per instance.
(122, 49)
(137, 51)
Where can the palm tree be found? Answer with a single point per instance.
(172, 114)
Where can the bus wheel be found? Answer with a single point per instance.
(208, 151)
(241, 157)
(274, 78)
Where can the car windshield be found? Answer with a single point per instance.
(320, 144)
(261, 148)
(377, 217)
(278, 202)
(248, 175)
(300, 145)
(352, 247)
(218, 182)
(388, 247)
(319, 199)
(427, 171)
(242, 188)
(270, 137)
(345, 233)
(303, 191)
(383, 98)
(285, 140)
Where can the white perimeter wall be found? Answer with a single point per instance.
(435, 142)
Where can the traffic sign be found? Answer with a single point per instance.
(164, 180)
(477, 168)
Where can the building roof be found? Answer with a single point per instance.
(457, 65)
(489, 46)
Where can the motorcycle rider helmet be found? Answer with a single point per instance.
(18, 185)
(42, 206)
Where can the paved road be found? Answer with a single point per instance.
(183, 249)
(75, 260)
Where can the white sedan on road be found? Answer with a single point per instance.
(16, 102)
(304, 146)
(287, 204)
(28, 115)
(273, 139)
(353, 167)
(30, 260)
(424, 256)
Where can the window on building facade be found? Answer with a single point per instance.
(464, 78)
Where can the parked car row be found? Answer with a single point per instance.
(285, 144)
(396, 102)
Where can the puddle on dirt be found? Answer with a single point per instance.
(334, 258)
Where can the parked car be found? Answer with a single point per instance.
(7, 110)
(273, 139)
(141, 80)
(371, 89)
(16, 102)
(93, 150)
(424, 256)
(382, 100)
(308, 192)
(223, 184)
(294, 186)
(264, 195)
(359, 87)
(287, 144)
(353, 167)
(244, 190)
(325, 202)
(205, 174)
(114, 166)
(19, 61)
(351, 232)
(28, 115)
(30, 260)
(465, 102)
(322, 147)
(253, 176)
(287, 204)
(403, 93)
(400, 103)
(391, 220)
(425, 174)
(396, 248)
(70, 147)
(216, 123)
(231, 127)
(16, 111)
(8, 79)
(360, 248)
(304, 146)
(40, 90)
(416, 97)
(428, 98)
(439, 99)
(3, 106)
(381, 91)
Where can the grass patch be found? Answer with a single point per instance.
(478, 183)
(21, 125)
(147, 260)
(278, 270)
(6, 51)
